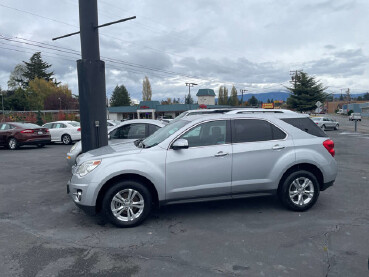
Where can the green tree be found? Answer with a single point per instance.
(234, 97)
(305, 92)
(39, 119)
(341, 97)
(221, 95)
(188, 99)
(360, 98)
(225, 95)
(16, 79)
(120, 97)
(366, 96)
(36, 68)
(17, 101)
(146, 89)
(253, 101)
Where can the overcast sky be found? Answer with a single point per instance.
(251, 44)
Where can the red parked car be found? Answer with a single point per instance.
(15, 134)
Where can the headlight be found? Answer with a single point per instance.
(87, 167)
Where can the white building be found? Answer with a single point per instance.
(206, 97)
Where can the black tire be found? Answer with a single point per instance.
(288, 185)
(40, 145)
(323, 127)
(337, 127)
(122, 187)
(66, 139)
(13, 144)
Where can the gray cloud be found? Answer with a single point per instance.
(252, 44)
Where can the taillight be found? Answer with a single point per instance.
(27, 131)
(46, 130)
(79, 129)
(329, 145)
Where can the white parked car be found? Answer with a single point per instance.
(355, 116)
(126, 131)
(64, 131)
(326, 123)
(112, 123)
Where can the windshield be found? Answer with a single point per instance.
(179, 117)
(164, 133)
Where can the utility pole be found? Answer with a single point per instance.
(189, 85)
(242, 91)
(294, 74)
(91, 77)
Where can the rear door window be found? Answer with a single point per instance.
(251, 130)
(153, 128)
(305, 124)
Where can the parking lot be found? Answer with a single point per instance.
(44, 234)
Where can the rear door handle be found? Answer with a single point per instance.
(221, 154)
(278, 147)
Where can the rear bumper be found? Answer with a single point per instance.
(35, 141)
(324, 186)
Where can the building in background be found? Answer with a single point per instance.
(206, 97)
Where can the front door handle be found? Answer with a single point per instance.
(278, 147)
(221, 154)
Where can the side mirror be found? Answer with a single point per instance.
(180, 144)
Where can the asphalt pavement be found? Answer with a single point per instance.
(44, 234)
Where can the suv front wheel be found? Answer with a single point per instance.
(299, 191)
(127, 203)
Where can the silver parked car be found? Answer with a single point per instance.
(129, 130)
(213, 156)
(326, 123)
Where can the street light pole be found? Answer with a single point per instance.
(189, 85)
(242, 91)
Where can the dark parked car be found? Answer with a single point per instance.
(15, 134)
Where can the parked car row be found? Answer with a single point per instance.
(206, 155)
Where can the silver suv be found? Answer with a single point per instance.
(212, 156)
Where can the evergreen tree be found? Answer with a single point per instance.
(268, 101)
(305, 92)
(36, 68)
(253, 101)
(146, 89)
(341, 97)
(366, 96)
(120, 97)
(188, 99)
(234, 97)
(39, 119)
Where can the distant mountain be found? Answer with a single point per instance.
(275, 95)
(280, 95)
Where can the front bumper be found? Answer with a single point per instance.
(71, 158)
(82, 194)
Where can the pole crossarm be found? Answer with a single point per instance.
(103, 25)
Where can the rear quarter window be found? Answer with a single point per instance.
(305, 124)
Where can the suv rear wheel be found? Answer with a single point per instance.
(299, 191)
(127, 203)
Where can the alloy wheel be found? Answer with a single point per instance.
(301, 191)
(12, 143)
(66, 139)
(127, 205)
